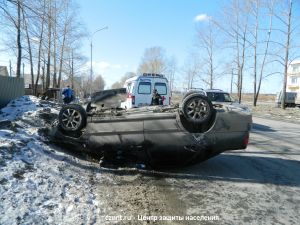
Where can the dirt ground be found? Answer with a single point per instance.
(267, 108)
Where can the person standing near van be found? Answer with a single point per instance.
(156, 98)
(68, 95)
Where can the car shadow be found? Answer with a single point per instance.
(225, 167)
(261, 128)
(245, 168)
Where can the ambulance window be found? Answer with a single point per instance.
(132, 88)
(129, 87)
(161, 88)
(144, 88)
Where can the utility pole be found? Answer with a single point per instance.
(91, 69)
(286, 59)
(23, 69)
(231, 81)
(10, 69)
(72, 70)
(43, 76)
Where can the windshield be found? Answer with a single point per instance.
(219, 97)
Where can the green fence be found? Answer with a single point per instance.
(10, 88)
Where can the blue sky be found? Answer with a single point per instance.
(136, 25)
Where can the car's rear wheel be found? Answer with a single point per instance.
(72, 118)
(197, 109)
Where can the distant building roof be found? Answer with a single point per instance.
(27, 78)
(3, 71)
(295, 62)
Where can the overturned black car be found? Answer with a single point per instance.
(190, 132)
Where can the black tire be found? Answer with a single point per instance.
(72, 118)
(197, 109)
(192, 92)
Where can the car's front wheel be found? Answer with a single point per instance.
(197, 109)
(72, 118)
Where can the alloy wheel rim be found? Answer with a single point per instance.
(198, 109)
(71, 119)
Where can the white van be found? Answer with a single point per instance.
(140, 88)
(291, 99)
(297, 99)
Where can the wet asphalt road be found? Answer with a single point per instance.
(259, 185)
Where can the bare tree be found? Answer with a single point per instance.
(285, 17)
(16, 20)
(71, 34)
(19, 45)
(62, 48)
(207, 44)
(45, 30)
(98, 83)
(120, 83)
(258, 73)
(55, 39)
(255, 10)
(191, 69)
(40, 35)
(49, 39)
(116, 84)
(234, 25)
(172, 68)
(241, 39)
(29, 50)
(153, 61)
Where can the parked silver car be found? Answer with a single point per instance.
(218, 96)
(192, 132)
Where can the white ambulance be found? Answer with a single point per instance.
(140, 88)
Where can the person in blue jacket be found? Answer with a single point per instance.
(68, 95)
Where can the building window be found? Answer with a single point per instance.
(295, 68)
(294, 80)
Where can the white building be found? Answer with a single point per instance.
(293, 77)
(3, 71)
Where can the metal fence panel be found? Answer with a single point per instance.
(10, 88)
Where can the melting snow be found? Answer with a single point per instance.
(37, 183)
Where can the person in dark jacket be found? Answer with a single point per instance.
(68, 95)
(156, 98)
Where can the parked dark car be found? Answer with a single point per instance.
(191, 132)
